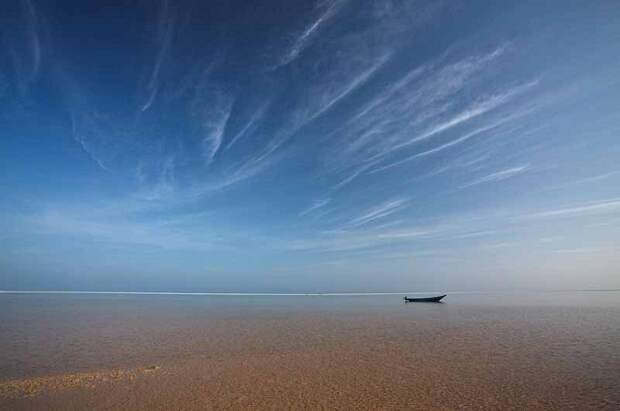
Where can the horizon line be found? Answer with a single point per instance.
(267, 294)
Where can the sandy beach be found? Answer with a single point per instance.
(330, 353)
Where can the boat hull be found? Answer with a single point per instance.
(425, 299)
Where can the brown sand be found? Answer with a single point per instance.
(446, 357)
(30, 387)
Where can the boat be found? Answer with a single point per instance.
(424, 299)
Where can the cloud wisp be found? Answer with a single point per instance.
(304, 39)
(316, 205)
(608, 206)
(214, 124)
(251, 125)
(499, 175)
(378, 212)
(164, 36)
(416, 108)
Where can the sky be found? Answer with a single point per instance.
(309, 146)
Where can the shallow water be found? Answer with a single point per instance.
(511, 350)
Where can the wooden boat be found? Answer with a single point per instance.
(424, 299)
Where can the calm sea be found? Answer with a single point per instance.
(46, 334)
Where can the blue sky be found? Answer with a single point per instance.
(309, 146)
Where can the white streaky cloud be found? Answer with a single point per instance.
(353, 61)
(350, 61)
(437, 149)
(378, 212)
(597, 177)
(90, 154)
(406, 254)
(152, 92)
(114, 140)
(304, 39)
(250, 125)
(83, 142)
(455, 142)
(405, 234)
(164, 186)
(414, 105)
(473, 111)
(193, 84)
(437, 84)
(378, 101)
(352, 85)
(317, 204)
(391, 232)
(601, 207)
(33, 33)
(591, 179)
(499, 175)
(412, 75)
(366, 239)
(462, 162)
(475, 234)
(165, 29)
(214, 124)
(501, 244)
(237, 173)
(356, 173)
(326, 95)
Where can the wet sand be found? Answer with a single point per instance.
(153, 352)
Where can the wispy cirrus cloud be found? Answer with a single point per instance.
(441, 147)
(611, 205)
(329, 9)
(351, 85)
(601, 177)
(476, 109)
(32, 19)
(348, 62)
(316, 205)
(239, 172)
(86, 133)
(214, 125)
(164, 36)
(416, 108)
(251, 125)
(383, 210)
(163, 187)
(369, 239)
(23, 44)
(499, 175)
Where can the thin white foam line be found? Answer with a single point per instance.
(214, 294)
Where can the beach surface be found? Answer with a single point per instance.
(159, 352)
